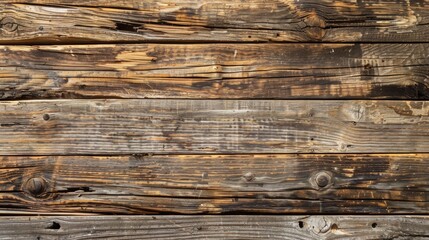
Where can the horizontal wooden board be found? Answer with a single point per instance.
(261, 71)
(63, 127)
(47, 21)
(215, 227)
(190, 184)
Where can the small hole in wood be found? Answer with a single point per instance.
(249, 36)
(278, 34)
(54, 225)
(355, 123)
(46, 117)
(334, 227)
(301, 224)
(311, 139)
(374, 225)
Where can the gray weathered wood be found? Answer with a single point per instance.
(215, 227)
(47, 21)
(314, 183)
(63, 127)
(259, 71)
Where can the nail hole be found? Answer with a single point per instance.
(278, 34)
(249, 36)
(46, 117)
(301, 224)
(355, 123)
(41, 28)
(54, 225)
(374, 225)
(311, 139)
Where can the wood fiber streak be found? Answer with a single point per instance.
(53, 21)
(67, 127)
(228, 71)
(215, 227)
(189, 184)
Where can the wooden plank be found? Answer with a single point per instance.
(275, 71)
(215, 227)
(47, 21)
(63, 127)
(311, 184)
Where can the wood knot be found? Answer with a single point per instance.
(315, 26)
(35, 186)
(8, 24)
(249, 177)
(321, 225)
(321, 180)
(46, 117)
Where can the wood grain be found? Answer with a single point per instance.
(48, 21)
(190, 184)
(215, 227)
(64, 127)
(237, 71)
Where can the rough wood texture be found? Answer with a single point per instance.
(276, 184)
(47, 21)
(215, 227)
(62, 127)
(279, 71)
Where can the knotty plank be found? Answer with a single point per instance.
(259, 71)
(47, 21)
(64, 127)
(311, 184)
(215, 227)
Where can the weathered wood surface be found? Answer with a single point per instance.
(276, 71)
(63, 127)
(215, 227)
(314, 183)
(47, 21)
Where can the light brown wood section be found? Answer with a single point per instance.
(275, 184)
(48, 21)
(238, 71)
(215, 227)
(67, 127)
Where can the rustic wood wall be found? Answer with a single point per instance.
(295, 119)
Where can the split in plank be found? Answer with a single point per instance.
(52, 21)
(134, 126)
(243, 71)
(215, 227)
(190, 184)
